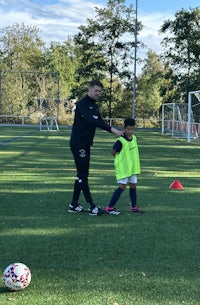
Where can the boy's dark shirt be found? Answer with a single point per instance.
(118, 144)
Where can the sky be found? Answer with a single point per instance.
(57, 19)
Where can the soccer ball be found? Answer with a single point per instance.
(17, 276)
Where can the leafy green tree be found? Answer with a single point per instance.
(106, 44)
(182, 49)
(150, 84)
(63, 58)
(21, 48)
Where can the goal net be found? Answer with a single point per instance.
(193, 115)
(182, 120)
(48, 124)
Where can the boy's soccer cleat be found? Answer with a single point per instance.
(96, 211)
(111, 211)
(136, 209)
(77, 208)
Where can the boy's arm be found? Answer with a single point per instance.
(116, 148)
(113, 153)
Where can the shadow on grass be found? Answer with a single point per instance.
(5, 290)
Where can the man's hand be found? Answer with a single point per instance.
(117, 132)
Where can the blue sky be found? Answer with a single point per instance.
(57, 19)
(171, 6)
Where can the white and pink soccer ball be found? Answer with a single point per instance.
(17, 276)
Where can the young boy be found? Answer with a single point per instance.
(127, 166)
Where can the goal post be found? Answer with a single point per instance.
(182, 120)
(193, 114)
(174, 119)
(48, 124)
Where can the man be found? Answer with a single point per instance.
(87, 118)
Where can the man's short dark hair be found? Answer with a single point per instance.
(95, 82)
(129, 122)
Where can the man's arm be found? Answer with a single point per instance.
(96, 120)
(116, 132)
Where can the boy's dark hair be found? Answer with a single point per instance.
(95, 82)
(129, 122)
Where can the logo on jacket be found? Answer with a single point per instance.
(82, 153)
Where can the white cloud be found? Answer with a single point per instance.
(150, 34)
(59, 20)
(55, 21)
(11, 17)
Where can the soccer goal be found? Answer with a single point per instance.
(182, 120)
(48, 124)
(193, 115)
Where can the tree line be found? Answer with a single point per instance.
(35, 78)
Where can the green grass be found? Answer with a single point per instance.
(75, 259)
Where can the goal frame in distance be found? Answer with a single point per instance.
(48, 123)
(181, 120)
(195, 125)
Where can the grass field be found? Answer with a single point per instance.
(76, 259)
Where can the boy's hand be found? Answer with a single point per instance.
(113, 153)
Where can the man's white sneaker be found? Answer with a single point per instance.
(73, 209)
(96, 211)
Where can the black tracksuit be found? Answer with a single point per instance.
(87, 118)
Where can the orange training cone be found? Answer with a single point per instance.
(176, 185)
